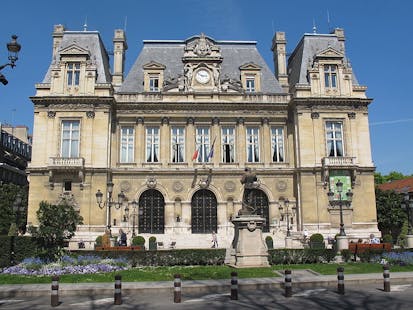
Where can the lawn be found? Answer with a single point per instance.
(197, 273)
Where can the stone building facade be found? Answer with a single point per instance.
(174, 136)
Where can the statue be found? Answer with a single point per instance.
(250, 182)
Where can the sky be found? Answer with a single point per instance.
(378, 42)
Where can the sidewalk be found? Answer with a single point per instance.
(300, 278)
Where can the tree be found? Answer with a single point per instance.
(390, 215)
(57, 224)
(392, 176)
(8, 194)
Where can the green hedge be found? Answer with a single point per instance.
(300, 256)
(23, 247)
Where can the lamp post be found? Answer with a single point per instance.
(109, 202)
(285, 212)
(134, 214)
(17, 208)
(13, 47)
(349, 194)
(407, 205)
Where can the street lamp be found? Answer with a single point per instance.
(109, 202)
(349, 194)
(407, 205)
(13, 47)
(17, 208)
(134, 214)
(287, 214)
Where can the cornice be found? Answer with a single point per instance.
(63, 100)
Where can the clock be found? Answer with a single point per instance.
(202, 76)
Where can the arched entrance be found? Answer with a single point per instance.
(151, 212)
(260, 201)
(203, 212)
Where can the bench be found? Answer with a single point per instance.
(119, 248)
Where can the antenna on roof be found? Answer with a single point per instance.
(85, 24)
(328, 21)
(125, 23)
(314, 26)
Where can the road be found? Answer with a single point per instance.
(356, 297)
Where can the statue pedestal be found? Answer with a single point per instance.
(248, 249)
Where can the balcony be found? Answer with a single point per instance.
(66, 163)
(339, 162)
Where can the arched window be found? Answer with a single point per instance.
(204, 212)
(260, 201)
(151, 212)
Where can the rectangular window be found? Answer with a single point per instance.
(178, 144)
(127, 142)
(67, 186)
(250, 84)
(154, 83)
(228, 144)
(330, 76)
(152, 144)
(70, 138)
(202, 144)
(253, 147)
(334, 138)
(73, 74)
(277, 144)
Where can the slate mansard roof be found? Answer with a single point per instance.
(170, 53)
(90, 41)
(310, 45)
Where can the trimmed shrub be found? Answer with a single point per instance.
(317, 241)
(269, 242)
(139, 240)
(300, 256)
(98, 241)
(387, 239)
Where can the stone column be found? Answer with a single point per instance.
(140, 141)
(215, 135)
(190, 140)
(266, 142)
(241, 151)
(164, 140)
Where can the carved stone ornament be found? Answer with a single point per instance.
(90, 114)
(351, 115)
(151, 182)
(229, 186)
(251, 226)
(69, 199)
(51, 114)
(177, 186)
(202, 46)
(315, 115)
(125, 186)
(281, 186)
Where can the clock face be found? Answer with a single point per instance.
(202, 76)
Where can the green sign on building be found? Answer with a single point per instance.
(345, 178)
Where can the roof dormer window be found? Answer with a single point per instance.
(153, 76)
(250, 84)
(153, 82)
(73, 74)
(330, 76)
(250, 77)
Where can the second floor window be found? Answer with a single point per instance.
(250, 84)
(334, 138)
(330, 76)
(277, 144)
(202, 144)
(228, 144)
(178, 144)
(73, 74)
(152, 144)
(127, 141)
(70, 139)
(154, 83)
(253, 147)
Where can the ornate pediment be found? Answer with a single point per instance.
(154, 66)
(329, 53)
(250, 66)
(201, 46)
(74, 50)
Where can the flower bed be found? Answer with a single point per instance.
(67, 265)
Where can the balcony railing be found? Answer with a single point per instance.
(66, 162)
(338, 161)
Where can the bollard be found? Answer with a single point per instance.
(287, 283)
(177, 288)
(340, 280)
(118, 290)
(386, 278)
(234, 285)
(54, 300)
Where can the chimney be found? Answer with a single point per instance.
(58, 32)
(119, 48)
(341, 38)
(279, 55)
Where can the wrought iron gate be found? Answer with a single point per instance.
(204, 212)
(151, 212)
(260, 201)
